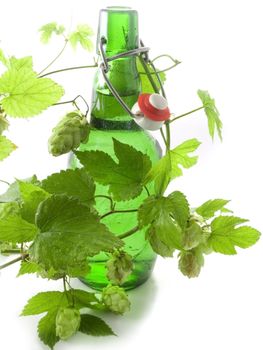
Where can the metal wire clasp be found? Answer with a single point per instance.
(104, 66)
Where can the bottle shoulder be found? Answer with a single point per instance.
(101, 140)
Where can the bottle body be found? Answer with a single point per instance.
(136, 245)
(109, 120)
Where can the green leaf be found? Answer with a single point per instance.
(13, 192)
(245, 236)
(214, 122)
(157, 244)
(6, 209)
(95, 326)
(14, 229)
(81, 36)
(31, 195)
(225, 235)
(16, 63)
(49, 302)
(125, 178)
(208, 209)
(6, 147)
(84, 299)
(44, 302)
(48, 30)
(4, 124)
(167, 217)
(146, 86)
(3, 58)
(20, 63)
(179, 208)
(47, 329)
(75, 233)
(76, 183)
(28, 267)
(170, 166)
(27, 95)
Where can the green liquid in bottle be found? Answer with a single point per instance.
(109, 120)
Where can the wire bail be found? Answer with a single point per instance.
(104, 66)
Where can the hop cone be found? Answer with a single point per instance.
(119, 267)
(67, 323)
(116, 299)
(68, 133)
(193, 235)
(3, 122)
(190, 263)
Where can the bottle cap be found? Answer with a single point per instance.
(154, 106)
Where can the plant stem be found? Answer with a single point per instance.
(149, 75)
(63, 103)
(54, 60)
(118, 211)
(5, 182)
(163, 137)
(165, 69)
(64, 284)
(146, 189)
(21, 257)
(129, 233)
(168, 56)
(10, 251)
(107, 197)
(183, 115)
(168, 136)
(67, 69)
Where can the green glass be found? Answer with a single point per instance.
(119, 25)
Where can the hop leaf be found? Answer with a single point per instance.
(208, 209)
(20, 63)
(81, 36)
(6, 147)
(119, 267)
(115, 299)
(145, 82)
(125, 178)
(191, 262)
(167, 217)
(16, 230)
(74, 183)
(75, 232)
(31, 196)
(68, 134)
(170, 166)
(226, 233)
(26, 95)
(3, 58)
(95, 326)
(67, 322)
(3, 122)
(48, 29)
(7, 209)
(214, 122)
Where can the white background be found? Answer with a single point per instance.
(220, 45)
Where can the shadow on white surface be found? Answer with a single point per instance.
(142, 299)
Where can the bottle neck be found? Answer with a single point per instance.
(119, 27)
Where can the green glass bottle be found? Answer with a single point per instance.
(119, 25)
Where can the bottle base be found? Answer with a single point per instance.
(97, 279)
